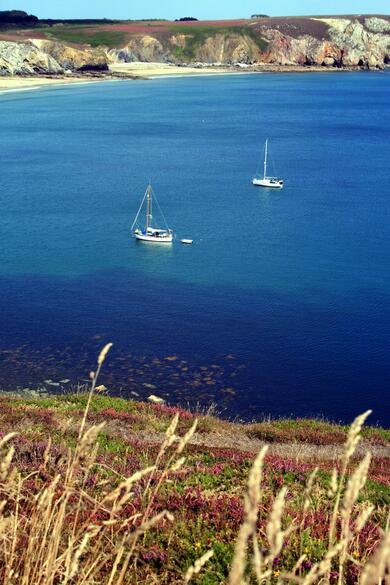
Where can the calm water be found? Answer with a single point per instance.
(280, 307)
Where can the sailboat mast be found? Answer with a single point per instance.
(148, 207)
(265, 159)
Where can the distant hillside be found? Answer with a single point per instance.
(329, 41)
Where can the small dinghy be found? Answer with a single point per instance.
(186, 241)
(149, 233)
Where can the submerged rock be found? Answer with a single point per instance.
(156, 399)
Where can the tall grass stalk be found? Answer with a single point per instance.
(49, 539)
(342, 530)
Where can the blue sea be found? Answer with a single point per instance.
(281, 305)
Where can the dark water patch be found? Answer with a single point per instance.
(252, 352)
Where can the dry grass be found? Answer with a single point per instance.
(41, 546)
(338, 551)
(65, 533)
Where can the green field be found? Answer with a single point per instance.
(83, 35)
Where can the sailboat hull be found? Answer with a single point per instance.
(155, 239)
(276, 184)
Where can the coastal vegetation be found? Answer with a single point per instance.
(96, 489)
(93, 36)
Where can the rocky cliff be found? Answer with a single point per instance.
(327, 41)
(143, 48)
(72, 59)
(340, 42)
(226, 48)
(360, 42)
(25, 59)
(39, 56)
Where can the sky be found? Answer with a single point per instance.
(201, 9)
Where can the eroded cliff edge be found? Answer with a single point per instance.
(361, 41)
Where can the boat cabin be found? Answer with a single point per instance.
(156, 232)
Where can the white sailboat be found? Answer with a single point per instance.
(149, 233)
(270, 182)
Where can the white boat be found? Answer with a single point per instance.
(156, 235)
(186, 241)
(270, 182)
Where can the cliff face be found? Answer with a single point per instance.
(357, 41)
(46, 57)
(304, 41)
(25, 59)
(144, 48)
(223, 48)
(72, 59)
(362, 44)
(228, 49)
(347, 42)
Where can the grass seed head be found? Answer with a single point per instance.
(103, 353)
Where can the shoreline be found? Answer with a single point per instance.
(154, 70)
(15, 83)
(148, 71)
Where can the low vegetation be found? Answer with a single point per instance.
(93, 36)
(95, 489)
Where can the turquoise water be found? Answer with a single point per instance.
(285, 293)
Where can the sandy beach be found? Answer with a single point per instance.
(140, 69)
(117, 71)
(152, 70)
